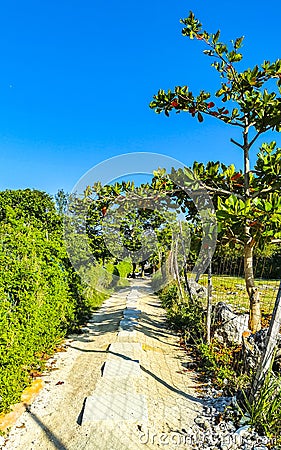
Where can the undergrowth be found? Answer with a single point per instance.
(215, 361)
(222, 364)
(41, 297)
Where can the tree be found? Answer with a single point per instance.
(121, 221)
(128, 221)
(35, 207)
(254, 110)
(61, 199)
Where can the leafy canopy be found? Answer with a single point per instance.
(255, 105)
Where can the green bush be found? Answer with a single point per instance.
(183, 314)
(169, 296)
(124, 268)
(156, 281)
(41, 297)
(120, 270)
(99, 281)
(37, 306)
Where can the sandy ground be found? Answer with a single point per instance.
(53, 421)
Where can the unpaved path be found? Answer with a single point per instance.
(54, 420)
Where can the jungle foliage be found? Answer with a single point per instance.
(41, 297)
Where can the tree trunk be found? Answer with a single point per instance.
(255, 313)
(134, 270)
(142, 269)
(253, 293)
(187, 287)
(165, 268)
(176, 268)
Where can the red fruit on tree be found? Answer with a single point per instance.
(236, 176)
(103, 210)
(210, 105)
(174, 103)
(253, 223)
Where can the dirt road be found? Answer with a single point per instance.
(130, 368)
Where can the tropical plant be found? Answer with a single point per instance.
(41, 297)
(248, 201)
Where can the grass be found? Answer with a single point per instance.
(264, 411)
(232, 290)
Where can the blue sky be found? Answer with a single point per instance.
(76, 79)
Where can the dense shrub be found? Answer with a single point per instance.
(183, 314)
(156, 281)
(263, 412)
(125, 267)
(41, 297)
(121, 270)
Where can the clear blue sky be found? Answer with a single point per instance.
(76, 79)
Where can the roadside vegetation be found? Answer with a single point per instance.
(42, 298)
(216, 361)
(221, 364)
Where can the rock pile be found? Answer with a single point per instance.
(196, 289)
(213, 431)
(229, 326)
(253, 347)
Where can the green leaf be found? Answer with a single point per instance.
(208, 52)
(216, 36)
(268, 206)
(238, 42)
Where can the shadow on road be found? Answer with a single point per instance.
(107, 352)
(154, 328)
(171, 388)
(57, 443)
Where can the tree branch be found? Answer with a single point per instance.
(263, 191)
(275, 241)
(232, 238)
(255, 138)
(236, 124)
(223, 191)
(236, 143)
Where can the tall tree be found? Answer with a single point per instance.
(123, 221)
(255, 110)
(61, 199)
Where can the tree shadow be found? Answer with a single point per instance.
(99, 324)
(107, 352)
(172, 388)
(154, 328)
(80, 417)
(50, 434)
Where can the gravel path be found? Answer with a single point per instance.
(168, 391)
